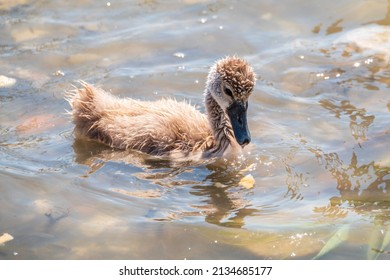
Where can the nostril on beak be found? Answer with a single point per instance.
(245, 142)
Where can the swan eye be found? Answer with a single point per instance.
(229, 92)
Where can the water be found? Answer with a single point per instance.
(319, 119)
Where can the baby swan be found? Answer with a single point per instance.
(168, 127)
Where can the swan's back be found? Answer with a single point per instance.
(159, 128)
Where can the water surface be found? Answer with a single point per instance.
(319, 119)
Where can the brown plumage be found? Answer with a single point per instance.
(167, 127)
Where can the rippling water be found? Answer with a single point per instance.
(319, 119)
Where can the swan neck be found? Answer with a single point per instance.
(220, 126)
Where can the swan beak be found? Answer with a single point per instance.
(237, 115)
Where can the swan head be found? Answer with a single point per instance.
(230, 83)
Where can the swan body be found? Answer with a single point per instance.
(167, 127)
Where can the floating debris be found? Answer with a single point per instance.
(247, 182)
(5, 238)
(6, 82)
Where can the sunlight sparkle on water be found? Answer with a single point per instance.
(369, 61)
(179, 54)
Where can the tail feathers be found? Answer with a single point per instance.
(88, 105)
(82, 100)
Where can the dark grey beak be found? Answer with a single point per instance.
(237, 116)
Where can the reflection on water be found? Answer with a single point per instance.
(386, 19)
(221, 200)
(357, 184)
(319, 120)
(334, 27)
(359, 121)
